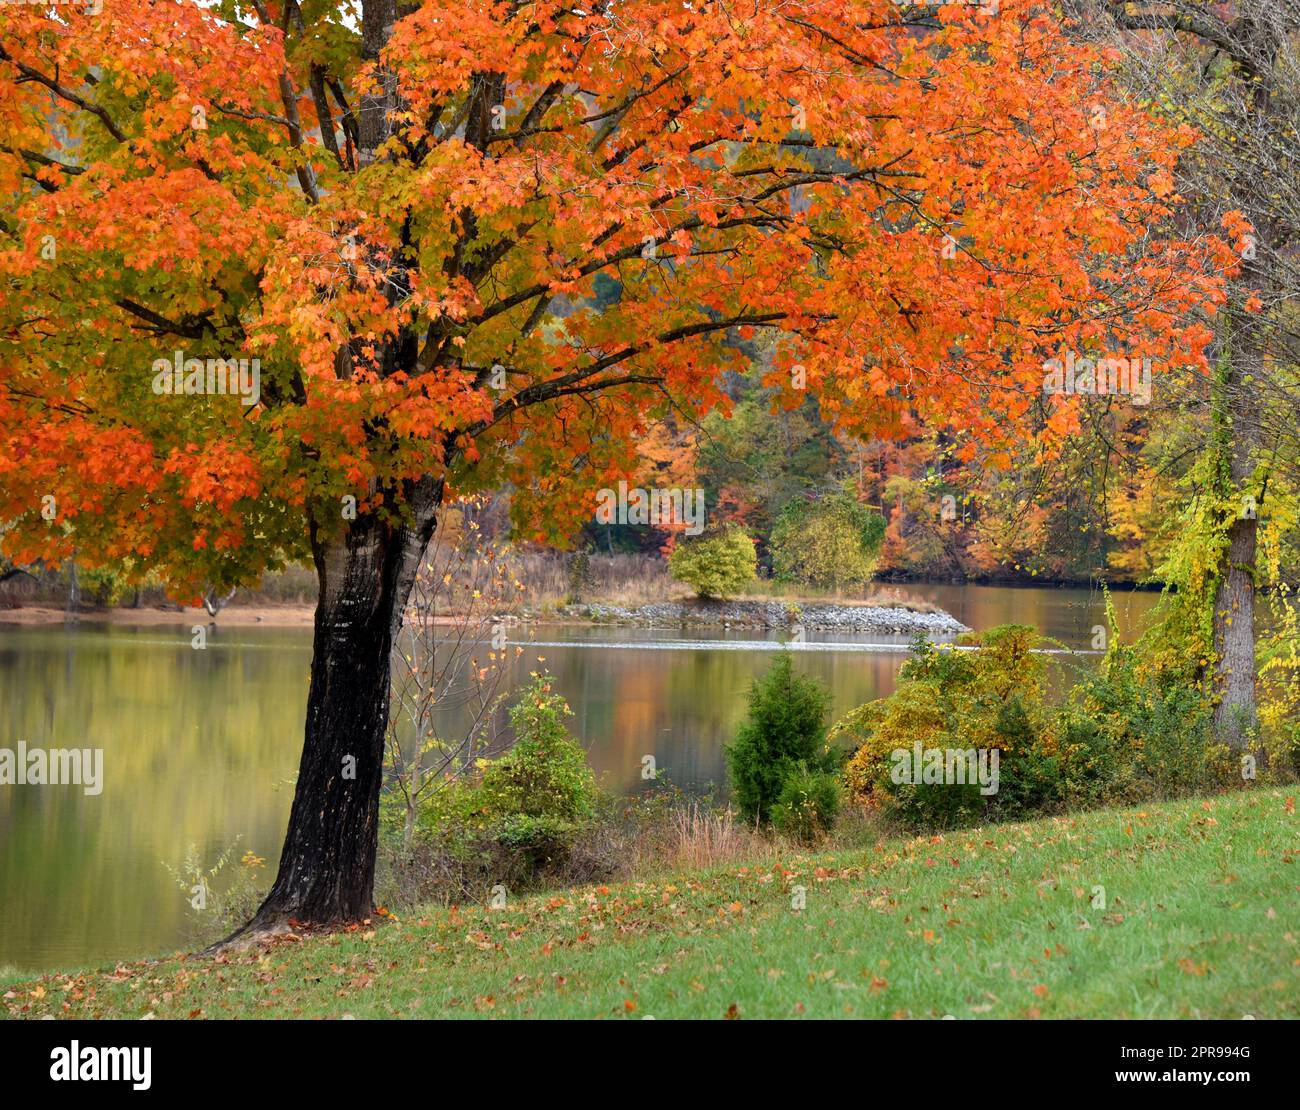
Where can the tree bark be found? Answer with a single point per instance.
(1234, 638)
(327, 866)
(1234, 602)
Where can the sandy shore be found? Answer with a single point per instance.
(273, 616)
(291, 616)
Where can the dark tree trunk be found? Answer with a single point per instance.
(74, 587)
(327, 865)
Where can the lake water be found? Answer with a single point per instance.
(201, 747)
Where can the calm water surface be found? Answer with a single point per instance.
(200, 747)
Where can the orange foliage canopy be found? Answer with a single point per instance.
(571, 210)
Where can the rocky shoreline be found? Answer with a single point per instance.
(888, 620)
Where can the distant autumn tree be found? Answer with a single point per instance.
(831, 542)
(471, 242)
(668, 453)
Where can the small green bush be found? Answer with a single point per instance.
(545, 774)
(785, 730)
(716, 566)
(808, 803)
(520, 817)
(1132, 733)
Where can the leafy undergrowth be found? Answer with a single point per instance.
(1186, 909)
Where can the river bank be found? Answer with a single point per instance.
(213, 738)
(886, 619)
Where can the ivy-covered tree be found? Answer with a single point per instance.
(1229, 71)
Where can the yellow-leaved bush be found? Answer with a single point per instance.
(1125, 733)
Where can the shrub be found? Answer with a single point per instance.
(1132, 732)
(579, 576)
(1128, 732)
(784, 730)
(931, 806)
(831, 542)
(220, 898)
(716, 566)
(521, 815)
(545, 774)
(873, 731)
(947, 698)
(988, 700)
(808, 804)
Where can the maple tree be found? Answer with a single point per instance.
(479, 242)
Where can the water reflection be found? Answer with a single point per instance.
(200, 747)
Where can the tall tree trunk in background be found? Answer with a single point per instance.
(1235, 716)
(327, 865)
(74, 587)
(1236, 434)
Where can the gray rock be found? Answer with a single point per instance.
(888, 620)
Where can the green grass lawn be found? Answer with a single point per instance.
(1201, 919)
